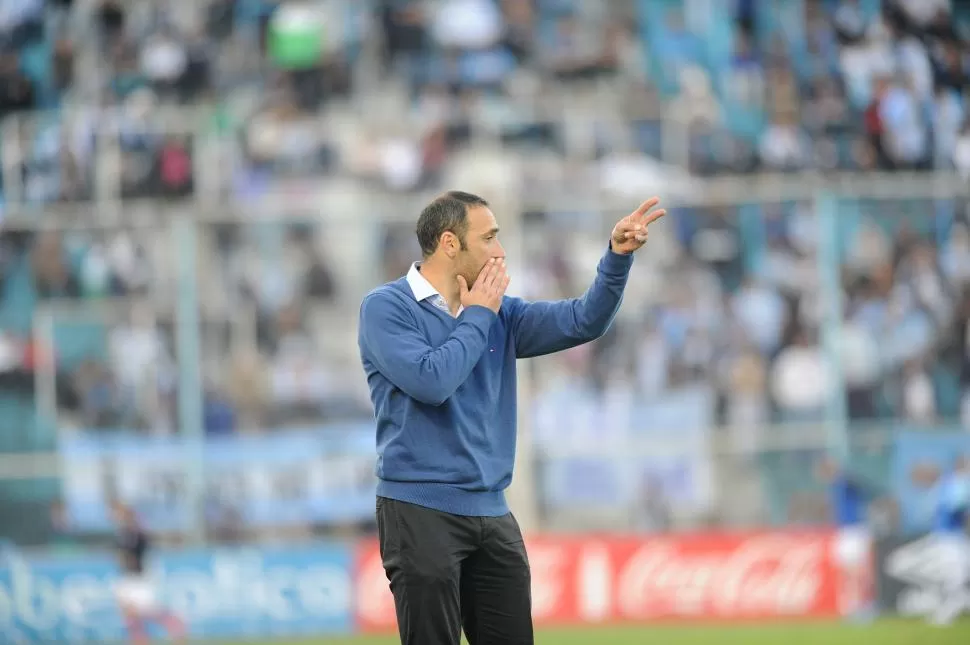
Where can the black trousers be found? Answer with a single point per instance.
(451, 572)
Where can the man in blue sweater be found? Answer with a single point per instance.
(439, 348)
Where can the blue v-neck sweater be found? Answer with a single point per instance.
(444, 388)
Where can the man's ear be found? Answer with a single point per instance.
(449, 244)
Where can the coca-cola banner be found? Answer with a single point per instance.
(743, 576)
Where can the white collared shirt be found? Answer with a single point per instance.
(424, 290)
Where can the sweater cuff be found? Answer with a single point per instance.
(613, 262)
(481, 317)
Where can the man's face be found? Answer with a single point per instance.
(481, 244)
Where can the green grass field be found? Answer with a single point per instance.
(883, 632)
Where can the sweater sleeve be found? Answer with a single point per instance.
(392, 340)
(541, 328)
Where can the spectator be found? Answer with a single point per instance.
(129, 263)
(872, 248)
(112, 21)
(175, 168)
(712, 239)
(140, 360)
(948, 117)
(696, 103)
(319, 283)
(101, 404)
(164, 59)
(300, 382)
(95, 273)
(52, 276)
(405, 34)
(914, 66)
(218, 415)
(783, 146)
(467, 24)
(917, 16)
(950, 72)
(15, 373)
(860, 362)
(401, 163)
(656, 514)
(63, 65)
(680, 46)
(762, 314)
(801, 381)
(864, 63)
(284, 138)
(904, 137)
(961, 151)
(748, 409)
(826, 110)
(963, 342)
(578, 52)
(17, 92)
(919, 398)
(219, 19)
(248, 389)
(21, 23)
(519, 18)
(653, 363)
(875, 128)
(850, 22)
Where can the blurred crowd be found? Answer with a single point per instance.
(264, 331)
(876, 85)
(126, 100)
(392, 91)
(751, 321)
(741, 334)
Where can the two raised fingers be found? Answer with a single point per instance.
(635, 225)
(643, 216)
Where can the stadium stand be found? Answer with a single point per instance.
(120, 109)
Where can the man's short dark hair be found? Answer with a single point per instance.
(448, 212)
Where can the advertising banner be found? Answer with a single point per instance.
(240, 593)
(716, 577)
(318, 475)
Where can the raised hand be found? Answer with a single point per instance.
(488, 288)
(630, 233)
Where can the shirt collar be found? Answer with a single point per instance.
(420, 287)
(424, 290)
